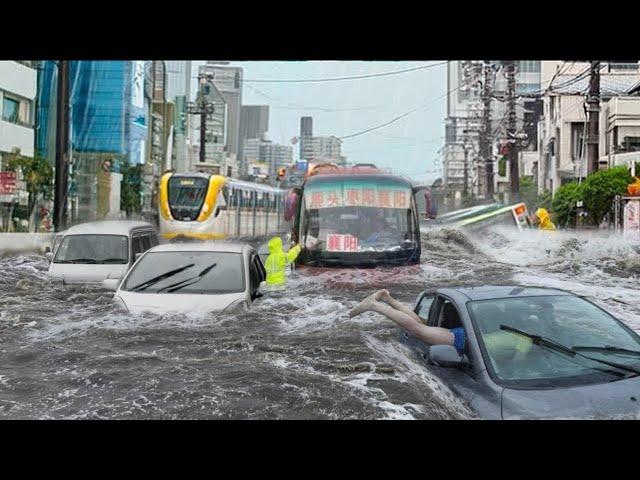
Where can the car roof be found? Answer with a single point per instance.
(231, 247)
(487, 292)
(110, 227)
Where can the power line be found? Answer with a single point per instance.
(399, 117)
(338, 79)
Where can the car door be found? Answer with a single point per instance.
(462, 381)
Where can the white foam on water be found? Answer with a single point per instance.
(409, 370)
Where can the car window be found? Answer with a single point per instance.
(154, 240)
(261, 269)
(136, 246)
(146, 241)
(423, 308)
(255, 274)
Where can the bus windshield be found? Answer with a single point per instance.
(186, 196)
(357, 216)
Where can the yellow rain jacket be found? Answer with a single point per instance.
(277, 261)
(544, 221)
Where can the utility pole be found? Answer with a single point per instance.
(62, 148)
(593, 113)
(202, 107)
(485, 132)
(514, 167)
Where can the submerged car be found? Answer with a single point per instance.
(91, 252)
(579, 360)
(190, 277)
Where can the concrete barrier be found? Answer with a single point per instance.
(25, 242)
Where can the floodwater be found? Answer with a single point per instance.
(295, 355)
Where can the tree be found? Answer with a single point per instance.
(529, 195)
(130, 195)
(600, 189)
(37, 174)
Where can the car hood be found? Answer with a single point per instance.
(619, 399)
(86, 273)
(177, 302)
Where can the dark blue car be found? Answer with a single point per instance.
(532, 353)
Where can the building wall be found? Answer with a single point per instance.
(18, 83)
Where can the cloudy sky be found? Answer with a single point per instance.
(409, 145)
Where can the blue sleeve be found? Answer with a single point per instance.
(459, 339)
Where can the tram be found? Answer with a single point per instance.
(199, 206)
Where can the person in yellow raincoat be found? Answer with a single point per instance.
(277, 261)
(544, 221)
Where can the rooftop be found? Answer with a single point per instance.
(107, 227)
(487, 292)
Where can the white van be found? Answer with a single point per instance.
(92, 252)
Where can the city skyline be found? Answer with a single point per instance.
(409, 145)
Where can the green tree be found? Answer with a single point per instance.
(599, 190)
(529, 195)
(37, 174)
(130, 197)
(564, 202)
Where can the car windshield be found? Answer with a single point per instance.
(187, 272)
(91, 249)
(357, 217)
(515, 360)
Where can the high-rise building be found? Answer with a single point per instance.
(228, 81)
(109, 117)
(179, 93)
(306, 132)
(273, 155)
(326, 149)
(254, 123)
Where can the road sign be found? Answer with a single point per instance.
(7, 183)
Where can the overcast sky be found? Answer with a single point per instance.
(409, 146)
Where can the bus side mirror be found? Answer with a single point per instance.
(49, 256)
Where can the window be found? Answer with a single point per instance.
(92, 249)
(10, 110)
(146, 241)
(136, 246)
(423, 308)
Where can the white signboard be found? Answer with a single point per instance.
(632, 217)
(137, 89)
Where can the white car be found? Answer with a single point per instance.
(191, 277)
(92, 252)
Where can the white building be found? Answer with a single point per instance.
(326, 149)
(18, 82)
(266, 152)
(563, 129)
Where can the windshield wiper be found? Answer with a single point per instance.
(188, 281)
(607, 348)
(540, 340)
(113, 260)
(154, 280)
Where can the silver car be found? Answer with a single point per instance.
(192, 277)
(532, 353)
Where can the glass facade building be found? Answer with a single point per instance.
(109, 124)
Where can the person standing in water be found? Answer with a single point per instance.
(544, 220)
(277, 261)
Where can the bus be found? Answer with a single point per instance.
(199, 206)
(356, 217)
(482, 216)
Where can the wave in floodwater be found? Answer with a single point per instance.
(295, 354)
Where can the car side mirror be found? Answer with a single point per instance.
(111, 284)
(49, 256)
(445, 356)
